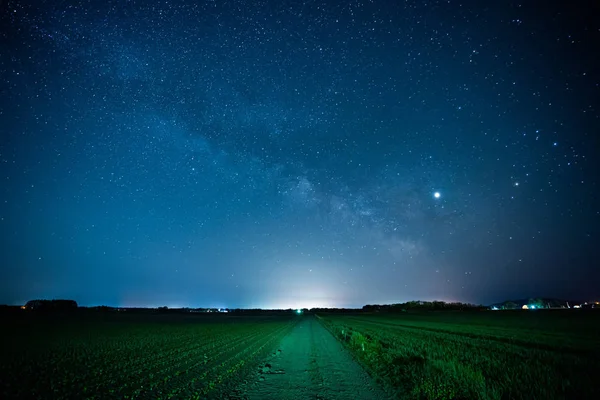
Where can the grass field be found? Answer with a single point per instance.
(543, 354)
(131, 356)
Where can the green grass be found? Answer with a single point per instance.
(116, 356)
(549, 354)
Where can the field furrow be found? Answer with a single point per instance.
(133, 359)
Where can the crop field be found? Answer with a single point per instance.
(133, 356)
(543, 354)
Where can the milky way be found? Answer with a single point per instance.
(298, 154)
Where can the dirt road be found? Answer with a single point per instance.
(311, 364)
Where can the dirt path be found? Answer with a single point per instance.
(311, 364)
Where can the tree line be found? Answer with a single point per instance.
(422, 306)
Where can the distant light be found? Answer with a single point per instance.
(532, 307)
(298, 311)
(437, 195)
(494, 308)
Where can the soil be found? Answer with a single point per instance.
(309, 363)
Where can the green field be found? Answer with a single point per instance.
(104, 356)
(544, 354)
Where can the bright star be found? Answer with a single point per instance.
(437, 195)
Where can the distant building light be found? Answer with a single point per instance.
(577, 306)
(494, 308)
(525, 307)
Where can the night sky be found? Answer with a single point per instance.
(298, 153)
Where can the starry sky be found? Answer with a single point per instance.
(292, 153)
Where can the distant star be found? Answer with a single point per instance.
(437, 195)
